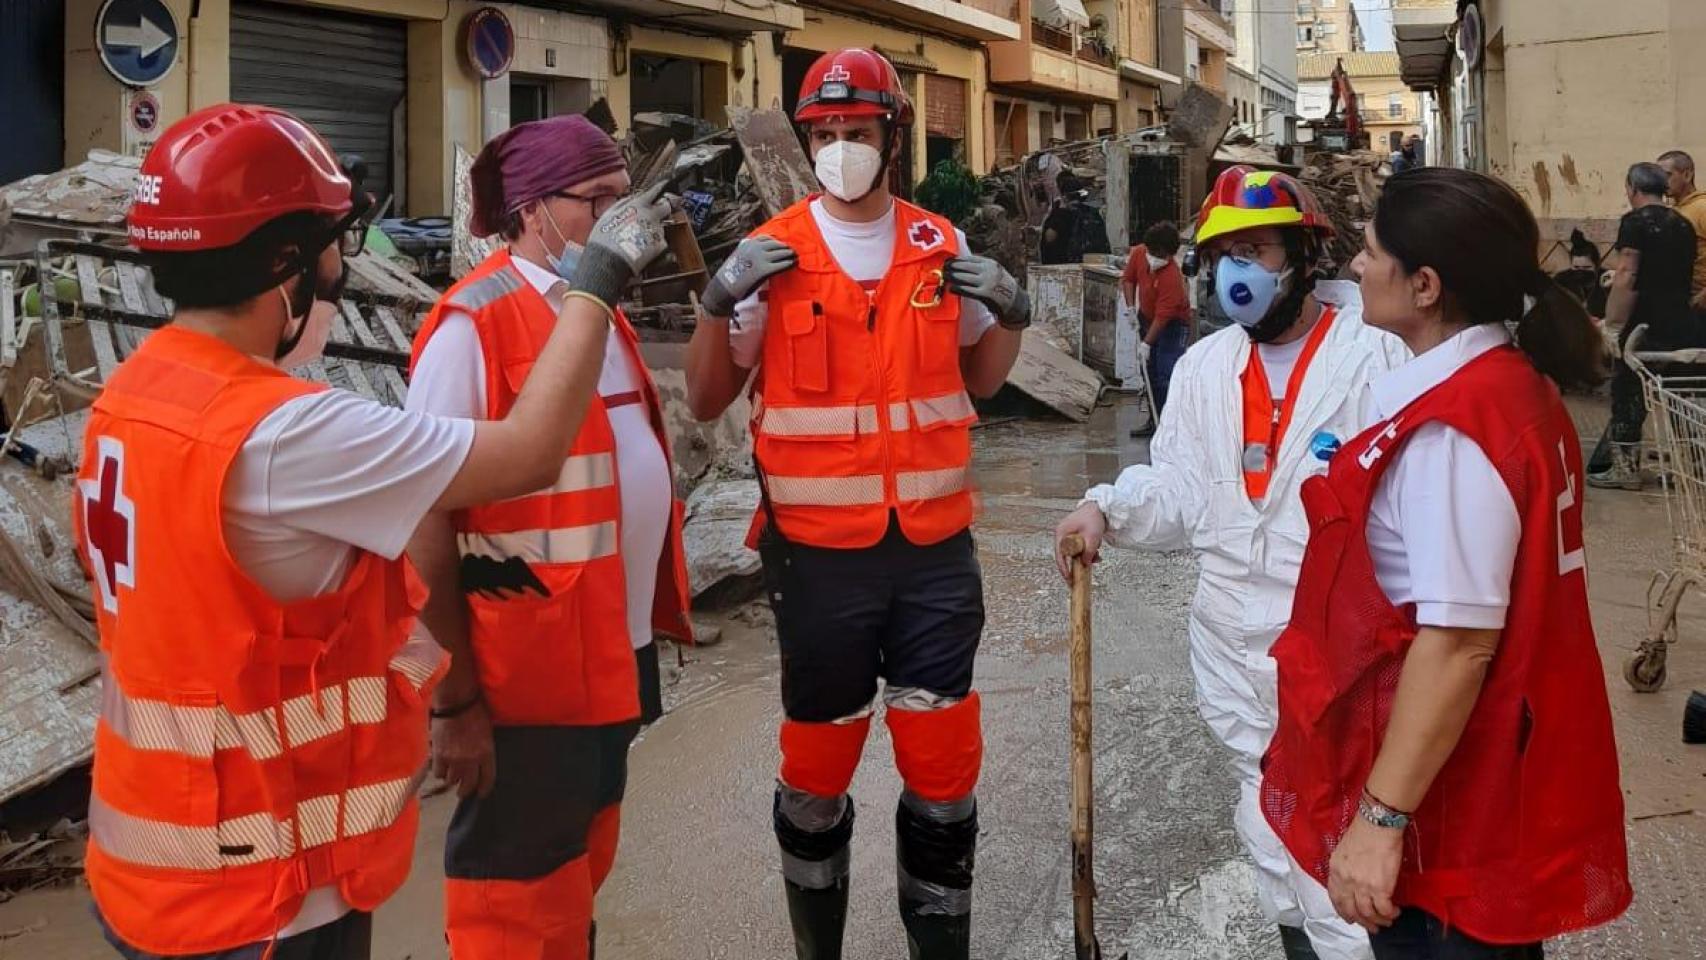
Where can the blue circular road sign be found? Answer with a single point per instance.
(491, 42)
(138, 40)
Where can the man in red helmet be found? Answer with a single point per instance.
(1254, 409)
(869, 325)
(262, 727)
(547, 602)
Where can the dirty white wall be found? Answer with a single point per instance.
(1576, 94)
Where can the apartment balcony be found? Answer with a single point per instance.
(1421, 30)
(985, 21)
(1061, 63)
(722, 16)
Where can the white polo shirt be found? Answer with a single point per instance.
(1443, 527)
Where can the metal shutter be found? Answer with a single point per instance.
(32, 76)
(944, 106)
(343, 74)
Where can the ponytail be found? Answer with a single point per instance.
(1560, 338)
(1482, 240)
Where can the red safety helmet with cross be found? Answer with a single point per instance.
(223, 171)
(853, 82)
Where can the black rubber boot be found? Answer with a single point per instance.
(1296, 944)
(818, 917)
(935, 936)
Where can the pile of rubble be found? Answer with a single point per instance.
(1347, 185)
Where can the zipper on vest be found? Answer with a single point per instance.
(1274, 437)
(871, 318)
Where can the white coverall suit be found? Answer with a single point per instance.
(1191, 494)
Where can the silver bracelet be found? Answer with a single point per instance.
(1371, 809)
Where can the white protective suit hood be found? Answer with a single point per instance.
(1191, 494)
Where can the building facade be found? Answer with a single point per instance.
(1558, 99)
(1390, 110)
(1267, 51)
(1329, 26)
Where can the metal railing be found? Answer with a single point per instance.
(1094, 52)
(1053, 38)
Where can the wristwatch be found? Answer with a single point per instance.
(1380, 814)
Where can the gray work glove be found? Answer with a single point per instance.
(754, 261)
(986, 281)
(623, 242)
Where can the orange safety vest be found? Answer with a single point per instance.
(248, 750)
(861, 409)
(552, 646)
(1265, 421)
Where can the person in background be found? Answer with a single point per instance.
(1154, 286)
(1654, 275)
(548, 601)
(263, 719)
(1583, 278)
(1256, 409)
(1689, 201)
(1445, 761)
(1408, 156)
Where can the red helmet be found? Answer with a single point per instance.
(854, 82)
(219, 173)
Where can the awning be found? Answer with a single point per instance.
(908, 60)
(1144, 73)
(1061, 13)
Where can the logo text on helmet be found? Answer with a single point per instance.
(837, 74)
(148, 189)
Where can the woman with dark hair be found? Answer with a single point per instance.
(1444, 760)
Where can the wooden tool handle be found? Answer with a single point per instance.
(1083, 787)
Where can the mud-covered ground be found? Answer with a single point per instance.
(697, 877)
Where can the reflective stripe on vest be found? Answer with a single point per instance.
(1265, 421)
(198, 732)
(845, 421)
(253, 838)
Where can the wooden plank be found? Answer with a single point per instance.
(89, 279)
(357, 378)
(780, 170)
(129, 290)
(364, 334)
(466, 250)
(9, 320)
(1047, 374)
(388, 319)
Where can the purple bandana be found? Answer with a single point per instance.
(532, 160)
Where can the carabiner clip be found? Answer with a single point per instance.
(933, 281)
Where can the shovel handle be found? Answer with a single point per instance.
(1083, 786)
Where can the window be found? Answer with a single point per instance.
(1328, 4)
(1395, 105)
(1305, 8)
(1193, 71)
(1305, 35)
(1327, 28)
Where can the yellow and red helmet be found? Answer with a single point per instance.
(1244, 198)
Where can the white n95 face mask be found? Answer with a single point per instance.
(848, 170)
(1155, 262)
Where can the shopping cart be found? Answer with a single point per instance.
(1674, 385)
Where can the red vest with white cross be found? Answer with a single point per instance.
(1520, 837)
(248, 750)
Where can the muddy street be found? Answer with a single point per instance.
(697, 876)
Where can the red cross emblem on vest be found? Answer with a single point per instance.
(924, 235)
(837, 74)
(109, 524)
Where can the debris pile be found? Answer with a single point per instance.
(1347, 185)
(51, 858)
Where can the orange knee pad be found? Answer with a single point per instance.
(546, 918)
(819, 758)
(939, 752)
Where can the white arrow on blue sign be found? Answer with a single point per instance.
(138, 40)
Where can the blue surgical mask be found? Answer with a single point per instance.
(570, 260)
(1248, 290)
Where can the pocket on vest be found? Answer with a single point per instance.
(938, 332)
(530, 650)
(808, 345)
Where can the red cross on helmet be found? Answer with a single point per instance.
(854, 82)
(219, 173)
